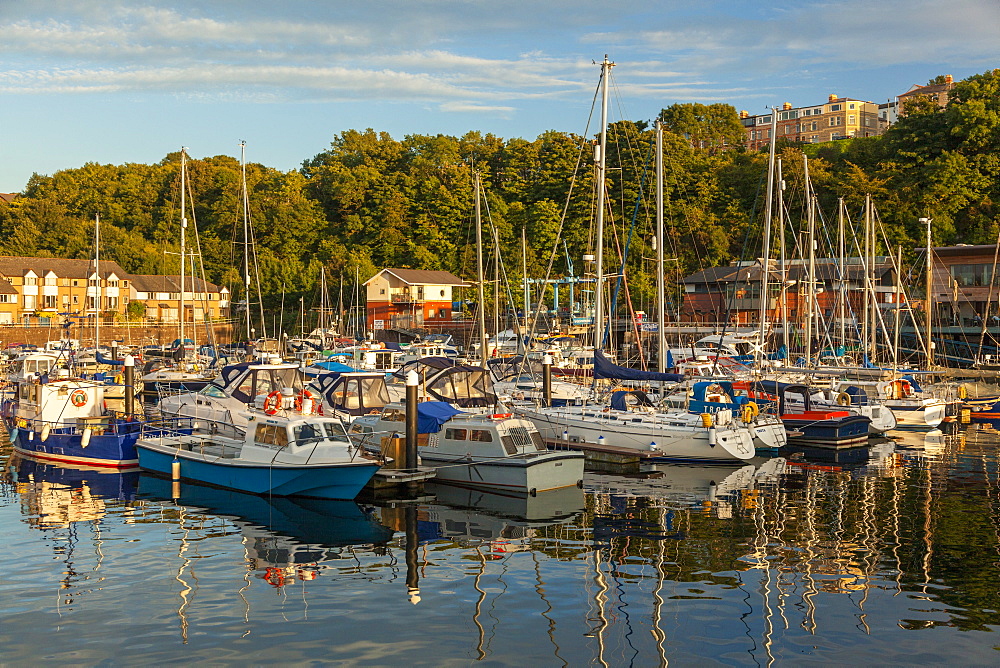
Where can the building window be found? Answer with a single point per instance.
(852, 119)
(382, 291)
(112, 284)
(8, 299)
(972, 275)
(49, 281)
(29, 302)
(65, 300)
(442, 293)
(431, 313)
(30, 280)
(49, 301)
(76, 299)
(850, 106)
(834, 107)
(76, 284)
(92, 282)
(112, 302)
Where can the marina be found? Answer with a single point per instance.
(890, 558)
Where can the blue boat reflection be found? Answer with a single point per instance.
(315, 522)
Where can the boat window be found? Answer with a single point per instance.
(269, 434)
(374, 393)
(481, 435)
(213, 391)
(455, 434)
(308, 433)
(245, 391)
(393, 415)
(508, 445)
(264, 385)
(536, 438)
(335, 432)
(285, 378)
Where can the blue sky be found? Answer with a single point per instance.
(115, 82)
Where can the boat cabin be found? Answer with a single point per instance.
(354, 392)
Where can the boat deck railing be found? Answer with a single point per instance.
(115, 423)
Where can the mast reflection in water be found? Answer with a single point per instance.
(889, 555)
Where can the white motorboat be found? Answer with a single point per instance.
(495, 451)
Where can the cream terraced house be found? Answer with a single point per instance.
(162, 296)
(44, 291)
(42, 288)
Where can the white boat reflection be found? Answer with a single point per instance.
(506, 523)
(57, 495)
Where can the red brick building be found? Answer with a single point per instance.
(410, 298)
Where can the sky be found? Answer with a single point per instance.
(129, 82)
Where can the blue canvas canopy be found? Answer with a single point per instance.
(101, 359)
(330, 365)
(605, 368)
(432, 414)
(620, 399)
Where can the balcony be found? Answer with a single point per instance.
(405, 298)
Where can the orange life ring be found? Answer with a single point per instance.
(272, 402)
(78, 398)
(300, 399)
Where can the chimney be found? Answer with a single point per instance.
(786, 106)
(744, 113)
(833, 96)
(948, 79)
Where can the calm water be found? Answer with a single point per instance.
(891, 557)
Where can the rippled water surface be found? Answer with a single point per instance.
(890, 555)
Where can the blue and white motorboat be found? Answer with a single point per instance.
(57, 417)
(286, 450)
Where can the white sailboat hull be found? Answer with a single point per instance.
(668, 436)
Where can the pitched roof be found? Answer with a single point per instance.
(6, 288)
(423, 277)
(11, 265)
(151, 283)
(8, 197)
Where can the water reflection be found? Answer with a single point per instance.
(66, 505)
(833, 556)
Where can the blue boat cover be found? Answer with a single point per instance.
(432, 414)
(619, 399)
(331, 365)
(913, 382)
(101, 359)
(605, 368)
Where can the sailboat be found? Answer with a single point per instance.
(184, 374)
(630, 420)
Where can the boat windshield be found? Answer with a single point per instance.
(313, 432)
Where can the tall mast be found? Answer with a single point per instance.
(183, 230)
(246, 234)
(601, 156)
(768, 213)
(811, 278)
(526, 289)
(896, 303)
(661, 301)
(841, 243)
(481, 291)
(928, 304)
(866, 267)
(97, 270)
(783, 292)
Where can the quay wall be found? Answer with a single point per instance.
(135, 334)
